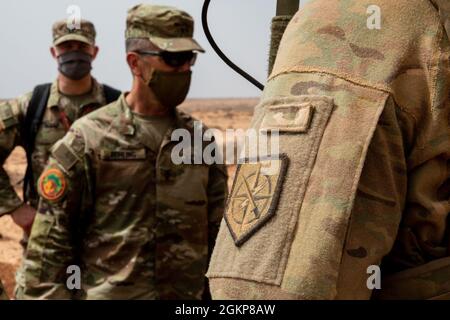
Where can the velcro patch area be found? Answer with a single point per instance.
(288, 117)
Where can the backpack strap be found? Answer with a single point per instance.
(111, 94)
(33, 120)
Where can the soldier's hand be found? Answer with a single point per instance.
(24, 217)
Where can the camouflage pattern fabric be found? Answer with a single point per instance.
(12, 116)
(429, 281)
(367, 180)
(62, 32)
(139, 226)
(169, 28)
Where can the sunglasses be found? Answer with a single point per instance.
(173, 59)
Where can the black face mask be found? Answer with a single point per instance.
(74, 65)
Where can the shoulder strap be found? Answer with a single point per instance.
(111, 94)
(32, 122)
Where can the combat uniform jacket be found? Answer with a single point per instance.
(138, 225)
(363, 179)
(53, 128)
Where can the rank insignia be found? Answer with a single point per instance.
(52, 184)
(254, 196)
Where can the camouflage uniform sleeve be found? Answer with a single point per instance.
(378, 205)
(52, 244)
(408, 222)
(217, 195)
(11, 117)
(424, 230)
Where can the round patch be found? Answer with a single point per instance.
(52, 184)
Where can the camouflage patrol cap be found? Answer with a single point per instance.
(168, 28)
(61, 32)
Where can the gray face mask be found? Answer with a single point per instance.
(74, 65)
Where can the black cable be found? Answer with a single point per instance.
(220, 53)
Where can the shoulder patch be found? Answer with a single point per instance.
(52, 184)
(254, 197)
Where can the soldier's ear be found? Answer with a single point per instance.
(133, 63)
(53, 52)
(96, 50)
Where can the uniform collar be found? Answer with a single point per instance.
(182, 120)
(127, 124)
(96, 95)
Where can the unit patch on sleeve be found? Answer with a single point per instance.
(52, 184)
(254, 197)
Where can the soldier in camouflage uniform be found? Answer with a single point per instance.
(72, 95)
(363, 180)
(112, 199)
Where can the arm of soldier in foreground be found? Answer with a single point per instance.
(402, 217)
(53, 242)
(421, 255)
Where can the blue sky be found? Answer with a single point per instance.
(240, 27)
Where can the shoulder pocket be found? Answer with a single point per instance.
(325, 142)
(263, 206)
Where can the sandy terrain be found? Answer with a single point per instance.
(218, 113)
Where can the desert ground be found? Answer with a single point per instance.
(220, 114)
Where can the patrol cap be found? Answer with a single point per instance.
(62, 33)
(167, 27)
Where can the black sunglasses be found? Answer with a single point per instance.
(173, 59)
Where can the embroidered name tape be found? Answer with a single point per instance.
(139, 154)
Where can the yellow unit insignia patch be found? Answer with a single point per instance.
(254, 197)
(52, 184)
